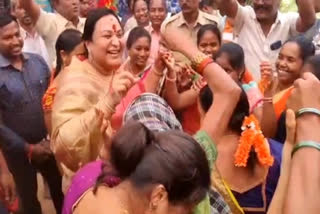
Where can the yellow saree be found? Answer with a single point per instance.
(76, 136)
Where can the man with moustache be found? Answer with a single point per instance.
(262, 29)
(33, 42)
(50, 25)
(189, 20)
(24, 78)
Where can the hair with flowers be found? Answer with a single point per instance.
(252, 137)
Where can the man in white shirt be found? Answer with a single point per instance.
(50, 25)
(314, 32)
(262, 29)
(33, 42)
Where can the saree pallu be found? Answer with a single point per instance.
(218, 184)
(280, 101)
(132, 94)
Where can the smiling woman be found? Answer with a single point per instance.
(138, 45)
(291, 59)
(88, 92)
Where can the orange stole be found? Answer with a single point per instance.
(280, 101)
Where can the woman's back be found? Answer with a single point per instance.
(253, 191)
(103, 201)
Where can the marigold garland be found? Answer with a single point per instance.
(47, 100)
(252, 136)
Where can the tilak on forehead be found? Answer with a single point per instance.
(114, 28)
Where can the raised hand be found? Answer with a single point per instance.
(290, 141)
(305, 93)
(266, 83)
(169, 60)
(121, 84)
(278, 199)
(178, 41)
(159, 63)
(198, 85)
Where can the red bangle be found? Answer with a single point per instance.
(203, 65)
(30, 152)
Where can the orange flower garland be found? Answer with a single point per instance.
(47, 100)
(252, 136)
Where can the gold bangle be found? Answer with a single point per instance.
(197, 60)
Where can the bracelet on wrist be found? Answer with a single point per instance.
(203, 65)
(267, 100)
(308, 110)
(173, 80)
(200, 62)
(305, 144)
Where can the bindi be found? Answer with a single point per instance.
(114, 28)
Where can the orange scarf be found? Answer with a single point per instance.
(280, 101)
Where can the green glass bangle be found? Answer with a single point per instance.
(308, 110)
(304, 144)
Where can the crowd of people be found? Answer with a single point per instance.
(160, 107)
